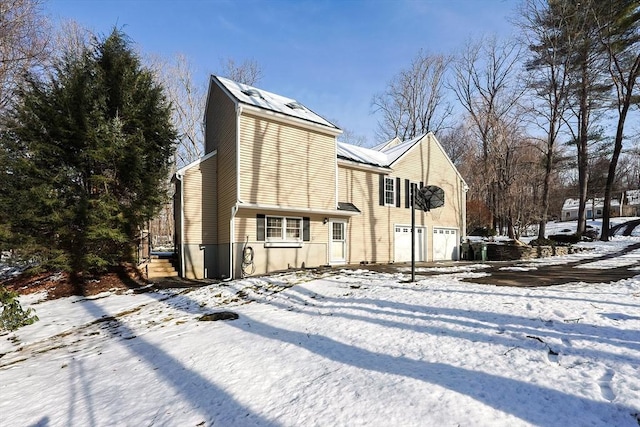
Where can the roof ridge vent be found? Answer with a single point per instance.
(295, 105)
(253, 92)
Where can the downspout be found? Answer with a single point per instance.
(180, 177)
(232, 228)
(234, 209)
(463, 210)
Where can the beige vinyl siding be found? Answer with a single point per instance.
(313, 253)
(221, 134)
(371, 234)
(220, 120)
(199, 210)
(427, 163)
(285, 165)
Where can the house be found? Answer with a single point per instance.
(631, 206)
(570, 208)
(276, 190)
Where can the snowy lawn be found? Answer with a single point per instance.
(352, 348)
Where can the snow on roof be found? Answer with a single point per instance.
(391, 142)
(396, 150)
(381, 155)
(361, 154)
(570, 204)
(271, 101)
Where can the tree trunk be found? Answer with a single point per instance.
(611, 174)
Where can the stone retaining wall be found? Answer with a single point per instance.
(501, 252)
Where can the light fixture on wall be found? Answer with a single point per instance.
(325, 221)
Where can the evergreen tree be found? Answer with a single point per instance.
(86, 153)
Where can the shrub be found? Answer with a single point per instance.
(566, 239)
(542, 242)
(13, 315)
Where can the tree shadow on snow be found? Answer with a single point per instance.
(527, 401)
(489, 327)
(205, 397)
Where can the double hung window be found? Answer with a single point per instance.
(284, 228)
(389, 191)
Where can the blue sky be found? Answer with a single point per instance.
(332, 56)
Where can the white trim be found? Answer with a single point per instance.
(307, 211)
(196, 162)
(283, 229)
(238, 115)
(433, 137)
(283, 244)
(179, 177)
(345, 241)
(337, 177)
(294, 120)
(395, 194)
(232, 229)
(363, 166)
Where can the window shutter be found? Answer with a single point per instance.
(398, 192)
(381, 190)
(306, 230)
(260, 227)
(407, 193)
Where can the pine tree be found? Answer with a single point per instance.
(87, 151)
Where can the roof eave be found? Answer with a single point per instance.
(333, 131)
(364, 166)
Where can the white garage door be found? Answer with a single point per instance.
(402, 243)
(445, 244)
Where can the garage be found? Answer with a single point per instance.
(445, 244)
(402, 243)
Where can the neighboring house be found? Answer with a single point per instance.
(631, 206)
(594, 208)
(276, 190)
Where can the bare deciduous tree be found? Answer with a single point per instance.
(188, 100)
(23, 43)
(488, 84)
(71, 38)
(414, 102)
(549, 86)
(620, 27)
(248, 72)
(455, 142)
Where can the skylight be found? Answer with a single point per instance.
(295, 105)
(252, 92)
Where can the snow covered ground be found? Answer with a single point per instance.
(350, 348)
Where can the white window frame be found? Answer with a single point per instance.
(283, 229)
(392, 191)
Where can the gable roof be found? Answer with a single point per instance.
(382, 155)
(367, 156)
(265, 100)
(386, 154)
(398, 149)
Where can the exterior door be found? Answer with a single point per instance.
(337, 241)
